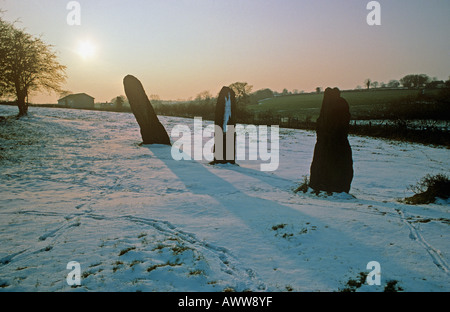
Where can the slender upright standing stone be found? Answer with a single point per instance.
(225, 124)
(332, 165)
(152, 131)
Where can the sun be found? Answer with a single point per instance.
(86, 49)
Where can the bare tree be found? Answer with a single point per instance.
(204, 97)
(65, 93)
(367, 83)
(242, 91)
(27, 64)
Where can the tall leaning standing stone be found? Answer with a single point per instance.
(332, 165)
(152, 131)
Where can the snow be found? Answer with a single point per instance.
(76, 186)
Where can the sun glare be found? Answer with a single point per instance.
(86, 50)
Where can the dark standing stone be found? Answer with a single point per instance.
(152, 131)
(332, 165)
(225, 119)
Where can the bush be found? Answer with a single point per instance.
(304, 186)
(429, 188)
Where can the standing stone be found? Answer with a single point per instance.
(332, 165)
(152, 131)
(225, 125)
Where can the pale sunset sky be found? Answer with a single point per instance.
(179, 48)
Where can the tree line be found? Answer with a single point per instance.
(204, 102)
(411, 81)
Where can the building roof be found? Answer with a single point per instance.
(75, 95)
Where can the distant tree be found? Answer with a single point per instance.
(285, 92)
(415, 81)
(318, 90)
(5, 32)
(367, 83)
(242, 91)
(407, 81)
(435, 84)
(27, 64)
(422, 80)
(204, 97)
(261, 94)
(393, 84)
(119, 100)
(154, 98)
(375, 84)
(358, 87)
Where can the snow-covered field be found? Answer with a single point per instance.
(76, 186)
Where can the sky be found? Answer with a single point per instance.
(179, 48)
